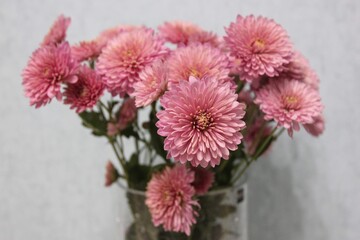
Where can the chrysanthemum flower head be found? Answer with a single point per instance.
(57, 32)
(178, 32)
(109, 34)
(289, 103)
(152, 84)
(85, 93)
(317, 127)
(299, 69)
(204, 179)
(48, 67)
(199, 61)
(260, 46)
(86, 50)
(126, 56)
(127, 114)
(169, 197)
(201, 121)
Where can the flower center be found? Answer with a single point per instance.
(258, 45)
(202, 120)
(291, 102)
(195, 73)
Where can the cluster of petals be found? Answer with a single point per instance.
(289, 103)
(299, 69)
(204, 179)
(199, 61)
(169, 197)
(152, 84)
(127, 114)
(85, 93)
(86, 50)
(259, 46)
(57, 32)
(201, 121)
(317, 127)
(126, 56)
(48, 67)
(109, 34)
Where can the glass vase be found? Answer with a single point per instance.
(222, 216)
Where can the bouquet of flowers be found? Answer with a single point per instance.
(210, 107)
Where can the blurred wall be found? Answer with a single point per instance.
(51, 169)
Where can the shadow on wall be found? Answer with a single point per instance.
(274, 209)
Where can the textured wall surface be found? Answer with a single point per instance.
(51, 169)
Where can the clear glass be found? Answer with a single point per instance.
(223, 216)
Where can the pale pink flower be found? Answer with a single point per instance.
(127, 114)
(86, 50)
(260, 46)
(317, 127)
(204, 179)
(47, 69)
(299, 69)
(205, 37)
(201, 121)
(178, 32)
(152, 84)
(289, 103)
(57, 32)
(85, 93)
(199, 61)
(126, 56)
(169, 197)
(111, 174)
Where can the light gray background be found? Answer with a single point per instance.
(51, 169)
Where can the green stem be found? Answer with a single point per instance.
(121, 160)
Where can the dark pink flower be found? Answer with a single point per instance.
(111, 174)
(127, 114)
(57, 32)
(126, 56)
(169, 198)
(47, 69)
(204, 179)
(289, 103)
(201, 121)
(259, 46)
(85, 93)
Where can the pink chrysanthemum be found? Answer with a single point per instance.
(57, 32)
(152, 84)
(201, 121)
(299, 69)
(169, 198)
(111, 174)
(317, 127)
(85, 93)
(260, 46)
(199, 61)
(47, 69)
(86, 50)
(204, 179)
(178, 32)
(289, 103)
(126, 56)
(127, 114)
(109, 34)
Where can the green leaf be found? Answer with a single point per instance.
(94, 121)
